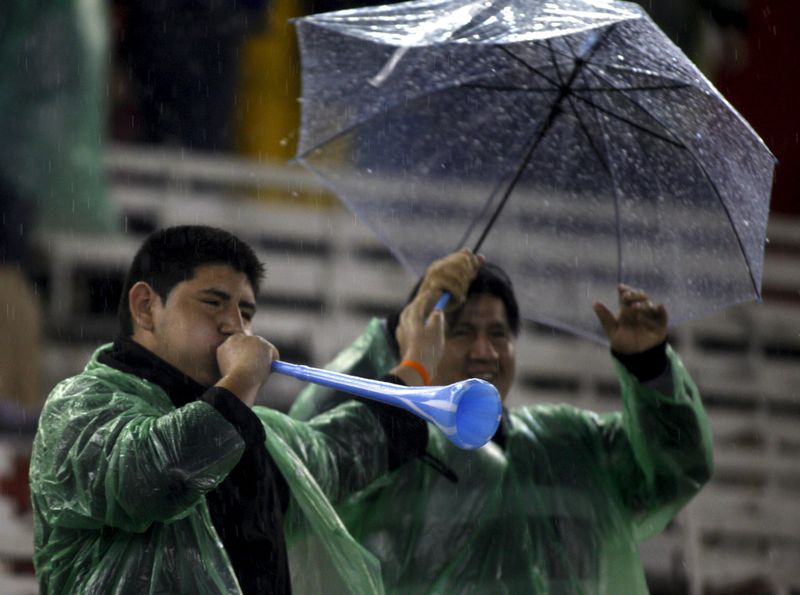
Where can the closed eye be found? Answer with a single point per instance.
(460, 331)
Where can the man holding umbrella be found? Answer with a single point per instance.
(559, 499)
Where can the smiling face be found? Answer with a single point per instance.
(197, 317)
(479, 344)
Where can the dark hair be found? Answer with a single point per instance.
(171, 255)
(493, 280)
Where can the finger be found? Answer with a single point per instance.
(607, 319)
(453, 268)
(476, 260)
(632, 303)
(407, 313)
(629, 296)
(422, 304)
(653, 318)
(621, 287)
(462, 258)
(435, 322)
(456, 284)
(466, 261)
(427, 300)
(454, 281)
(642, 305)
(660, 314)
(647, 317)
(650, 309)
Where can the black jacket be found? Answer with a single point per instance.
(247, 508)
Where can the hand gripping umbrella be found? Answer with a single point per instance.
(569, 140)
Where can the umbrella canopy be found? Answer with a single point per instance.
(571, 141)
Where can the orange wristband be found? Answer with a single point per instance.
(419, 368)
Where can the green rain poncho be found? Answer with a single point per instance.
(559, 510)
(118, 477)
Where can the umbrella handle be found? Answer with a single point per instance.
(467, 412)
(442, 301)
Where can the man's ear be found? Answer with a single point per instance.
(141, 300)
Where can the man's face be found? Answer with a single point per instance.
(479, 344)
(199, 314)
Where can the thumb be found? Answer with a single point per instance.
(274, 354)
(429, 297)
(607, 319)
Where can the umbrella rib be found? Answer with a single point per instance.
(564, 92)
(555, 63)
(713, 185)
(587, 59)
(524, 163)
(639, 88)
(616, 202)
(543, 45)
(554, 112)
(622, 92)
(507, 88)
(597, 69)
(585, 130)
(355, 125)
(488, 87)
(631, 123)
(480, 216)
(526, 65)
(572, 55)
(399, 104)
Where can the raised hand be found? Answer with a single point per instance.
(453, 274)
(420, 336)
(639, 325)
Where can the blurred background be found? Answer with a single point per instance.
(122, 116)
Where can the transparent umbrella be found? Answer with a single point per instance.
(570, 141)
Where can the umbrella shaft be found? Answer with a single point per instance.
(555, 110)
